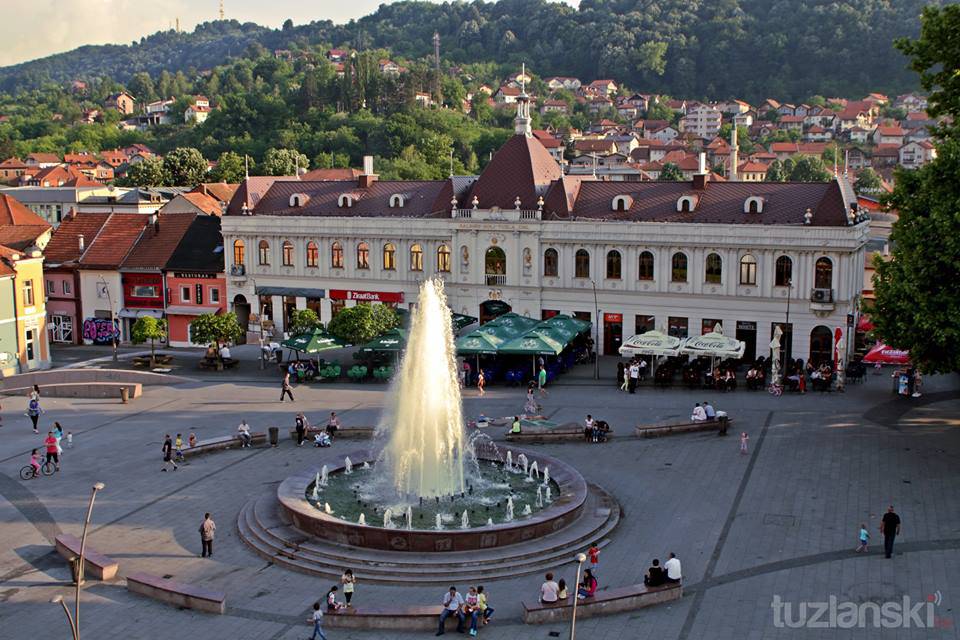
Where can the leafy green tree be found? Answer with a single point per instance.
(148, 173)
(283, 162)
(917, 307)
(214, 328)
(184, 166)
(670, 172)
(809, 169)
(149, 328)
(142, 87)
(230, 168)
(775, 172)
(362, 323)
(303, 321)
(868, 181)
(659, 111)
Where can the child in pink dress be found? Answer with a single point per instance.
(743, 442)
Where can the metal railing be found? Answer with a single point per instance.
(496, 279)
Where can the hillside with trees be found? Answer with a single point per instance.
(689, 48)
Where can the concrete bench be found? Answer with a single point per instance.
(213, 363)
(666, 428)
(342, 432)
(559, 434)
(604, 602)
(221, 443)
(415, 618)
(178, 594)
(80, 390)
(96, 565)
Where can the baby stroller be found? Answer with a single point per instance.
(322, 439)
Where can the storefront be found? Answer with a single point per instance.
(612, 333)
(143, 295)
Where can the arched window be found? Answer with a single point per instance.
(823, 274)
(443, 259)
(495, 262)
(753, 204)
(581, 264)
(345, 200)
(416, 258)
(613, 265)
(645, 266)
(299, 199)
(784, 271)
(287, 253)
(389, 257)
(821, 345)
(239, 252)
(336, 255)
(678, 267)
(686, 204)
(551, 263)
(363, 256)
(748, 270)
(264, 252)
(396, 201)
(621, 203)
(313, 254)
(713, 269)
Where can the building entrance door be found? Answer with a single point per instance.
(612, 333)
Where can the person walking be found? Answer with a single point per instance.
(168, 453)
(52, 449)
(594, 553)
(542, 380)
(58, 434)
(890, 528)
(207, 528)
(316, 618)
(634, 376)
(301, 426)
(864, 537)
(481, 381)
(452, 603)
(285, 388)
(348, 582)
(34, 410)
(744, 438)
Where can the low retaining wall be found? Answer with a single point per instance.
(603, 603)
(177, 594)
(80, 390)
(66, 376)
(417, 618)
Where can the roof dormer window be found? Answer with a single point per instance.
(299, 199)
(753, 204)
(621, 203)
(345, 201)
(687, 204)
(397, 201)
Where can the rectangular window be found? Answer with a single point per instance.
(184, 294)
(28, 293)
(677, 327)
(707, 325)
(66, 286)
(214, 294)
(51, 287)
(643, 323)
(199, 288)
(31, 354)
(145, 291)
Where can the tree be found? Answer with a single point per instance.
(775, 172)
(184, 166)
(917, 307)
(149, 328)
(659, 111)
(670, 172)
(230, 168)
(303, 321)
(362, 323)
(868, 181)
(283, 162)
(148, 173)
(213, 328)
(809, 169)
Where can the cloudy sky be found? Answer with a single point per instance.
(41, 27)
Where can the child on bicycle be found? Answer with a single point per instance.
(35, 462)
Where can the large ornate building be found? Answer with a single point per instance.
(682, 256)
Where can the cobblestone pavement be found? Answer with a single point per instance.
(780, 521)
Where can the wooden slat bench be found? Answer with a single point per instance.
(667, 427)
(178, 594)
(565, 433)
(414, 618)
(221, 443)
(342, 432)
(95, 565)
(605, 602)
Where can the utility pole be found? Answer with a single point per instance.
(436, 65)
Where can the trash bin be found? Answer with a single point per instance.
(724, 424)
(124, 395)
(274, 436)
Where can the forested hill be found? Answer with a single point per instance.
(751, 49)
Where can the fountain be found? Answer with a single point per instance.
(362, 520)
(509, 460)
(439, 525)
(316, 488)
(534, 472)
(546, 475)
(326, 508)
(539, 498)
(549, 499)
(409, 517)
(522, 462)
(527, 510)
(388, 519)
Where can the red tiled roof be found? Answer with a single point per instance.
(158, 242)
(791, 119)
(14, 212)
(250, 191)
(13, 163)
(63, 176)
(890, 130)
(221, 191)
(114, 241)
(422, 198)
(752, 167)
(331, 174)
(522, 168)
(783, 147)
(508, 90)
(589, 145)
(547, 140)
(64, 245)
(205, 203)
(43, 157)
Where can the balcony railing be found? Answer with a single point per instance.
(496, 279)
(497, 215)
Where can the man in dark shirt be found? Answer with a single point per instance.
(655, 575)
(890, 528)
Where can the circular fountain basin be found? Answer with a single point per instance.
(570, 491)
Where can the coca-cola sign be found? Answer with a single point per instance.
(366, 296)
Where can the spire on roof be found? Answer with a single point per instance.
(522, 121)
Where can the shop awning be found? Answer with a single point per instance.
(567, 322)
(461, 321)
(532, 343)
(185, 310)
(313, 342)
(882, 354)
(139, 313)
(651, 343)
(513, 324)
(299, 292)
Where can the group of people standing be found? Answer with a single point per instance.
(631, 374)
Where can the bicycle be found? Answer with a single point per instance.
(775, 390)
(46, 468)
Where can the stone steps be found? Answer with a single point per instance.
(261, 527)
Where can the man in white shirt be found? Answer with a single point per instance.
(549, 590)
(673, 568)
(243, 430)
(452, 603)
(699, 415)
(634, 376)
(224, 352)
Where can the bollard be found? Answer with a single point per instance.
(274, 436)
(124, 395)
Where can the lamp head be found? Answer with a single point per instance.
(580, 557)
(56, 599)
(98, 486)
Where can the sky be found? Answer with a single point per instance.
(40, 27)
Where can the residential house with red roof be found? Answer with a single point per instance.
(195, 203)
(194, 279)
(11, 169)
(42, 160)
(917, 154)
(888, 134)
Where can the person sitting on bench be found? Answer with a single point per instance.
(709, 411)
(699, 415)
(333, 424)
(655, 575)
(515, 427)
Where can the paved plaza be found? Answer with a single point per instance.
(780, 521)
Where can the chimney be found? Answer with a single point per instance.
(701, 177)
(368, 177)
(734, 155)
(80, 243)
(703, 163)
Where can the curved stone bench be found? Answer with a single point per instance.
(565, 433)
(414, 618)
(178, 594)
(342, 432)
(667, 427)
(221, 443)
(80, 390)
(606, 602)
(95, 565)
(60, 376)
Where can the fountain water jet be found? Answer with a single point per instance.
(324, 475)
(439, 525)
(509, 515)
(464, 520)
(362, 520)
(347, 465)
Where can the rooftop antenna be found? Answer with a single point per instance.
(221, 10)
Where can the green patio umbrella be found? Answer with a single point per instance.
(535, 342)
(569, 323)
(513, 324)
(393, 340)
(479, 342)
(460, 321)
(313, 342)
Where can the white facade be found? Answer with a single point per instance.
(525, 287)
(703, 122)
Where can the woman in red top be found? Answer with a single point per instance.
(589, 585)
(51, 444)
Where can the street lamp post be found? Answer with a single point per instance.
(66, 612)
(113, 318)
(596, 333)
(79, 572)
(786, 327)
(580, 558)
